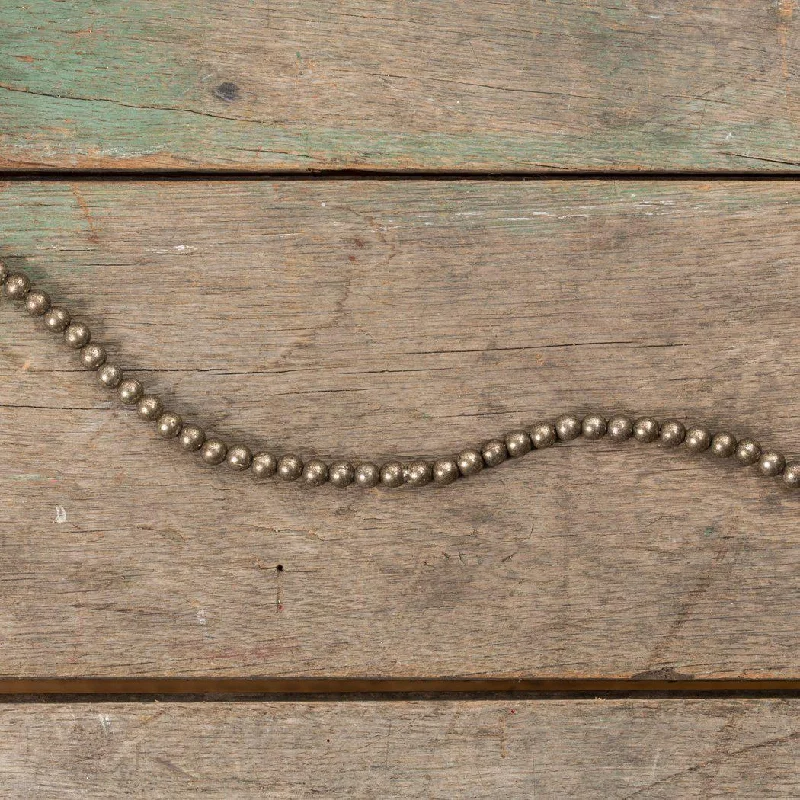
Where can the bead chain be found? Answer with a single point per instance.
(419, 472)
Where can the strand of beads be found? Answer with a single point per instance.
(393, 474)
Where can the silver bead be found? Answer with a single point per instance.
(17, 286)
(772, 464)
(93, 356)
(150, 408)
(672, 433)
(315, 472)
(418, 473)
(791, 475)
(594, 426)
(392, 474)
(130, 391)
(213, 451)
(646, 430)
(568, 427)
(620, 429)
(77, 335)
(543, 434)
(192, 438)
(110, 376)
(290, 467)
(518, 443)
(341, 474)
(37, 303)
(239, 457)
(264, 465)
(698, 440)
(494, 452)
(57, 319)
(169, 425)
(723, 445)
(469, 461)
(748, 452)
(445, 471)
(367, 475)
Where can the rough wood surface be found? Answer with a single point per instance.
(379, 319)
(482, 85)
(513, 749)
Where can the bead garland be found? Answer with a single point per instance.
(443, 471)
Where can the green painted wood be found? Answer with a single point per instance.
(383, 85)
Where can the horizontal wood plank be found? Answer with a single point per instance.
(380, 319)
(304, 85)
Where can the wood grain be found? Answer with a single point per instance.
(478, 86)
(448, 749)
(378, 319)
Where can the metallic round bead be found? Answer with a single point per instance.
(214, 451)
(367, 475)
(290, 467)
(791, 475)
(518, 443)
(698, 440)
(341, 474)
(620, 429)
(594, 426)
(772, 464)
(192, 438)
(93, 356)
(445, 471)
(748, 452)
(646, 430)
(57, 319)
(723, 445)
(543, 434)
(169, 425)
(568, 427)
(17, 286)
(315, 473)
(469, 461)
(392, 474)
(239, 457)
(37, 303)
(264, 465)
(110, 375)
(672, 433)
(150, 408)
(130, 392)
(494, 452)
(418, 473)
(77, 335)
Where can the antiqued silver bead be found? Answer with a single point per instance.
(494, 452)
(748, 452)
(213, 451)
(130, 391)
(791, 475)
(445, 471)
(392, 474)
(16, 286)
(568, 427)
(543, 434)
(239, 457)
(57, 319)
(37, 303)
(264, 465)
(594, 426)
(672, 433)
(315, 472)
(646, 430)
(93, 356)
(150, 408)
(192, 438)
(169, 425)
(110, 376)
(698, 440)
(518, 443)
(418, 473)
(367, 475)
(771, 464)
(723, 445)
(290, 467)
(77, 334)
(469, 461)
(620, 428)
(341, 474)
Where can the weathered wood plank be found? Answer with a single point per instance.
(442, 749)
(279, 85)
(378, 319)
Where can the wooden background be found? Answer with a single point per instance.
(386, 313)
